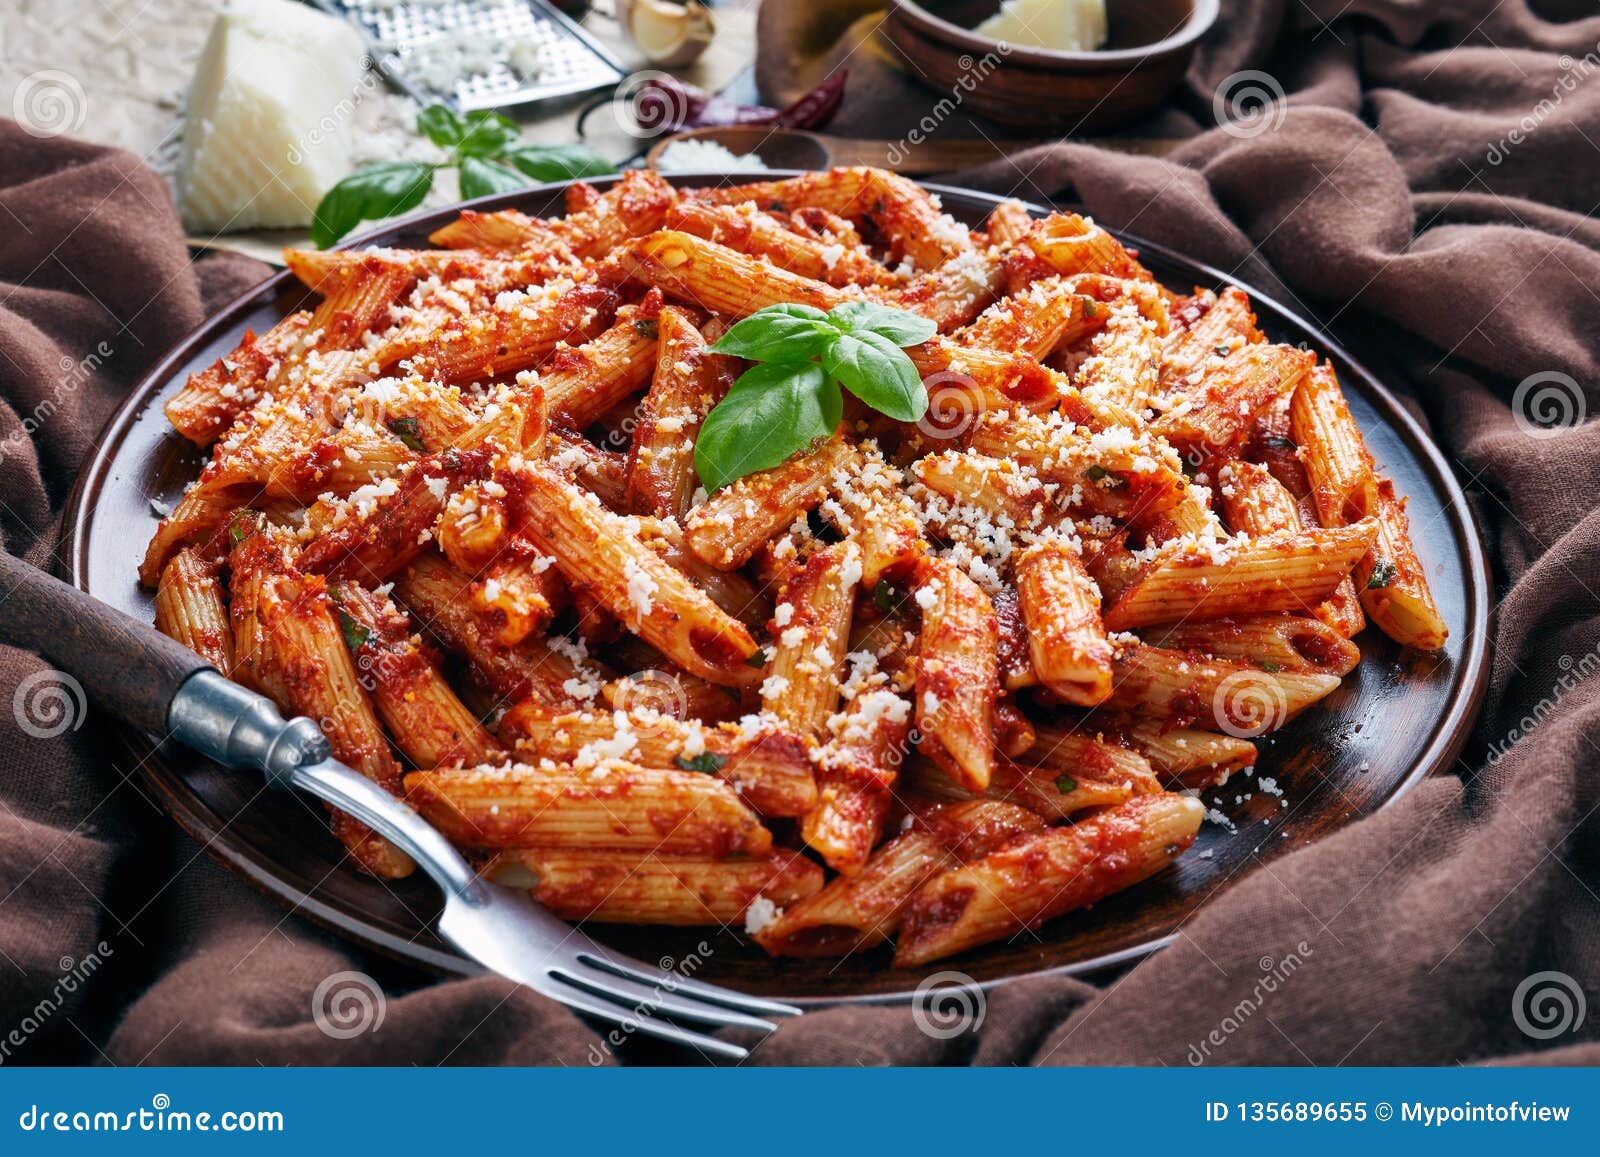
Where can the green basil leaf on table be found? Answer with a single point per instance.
(440, 124)
(772, 411)
(481, 177)
(557, 162)
(370, 194)
(487, 134)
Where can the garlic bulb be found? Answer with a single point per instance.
(668, 33)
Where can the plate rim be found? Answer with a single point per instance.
(1451, 734)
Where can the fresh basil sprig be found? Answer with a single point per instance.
(483, 148)
(791, 397)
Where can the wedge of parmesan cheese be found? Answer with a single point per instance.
(270, 115)
(1060, 25)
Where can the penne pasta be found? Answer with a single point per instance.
(769, 767)
(418, 707)
(653, 887)
(1284, 571)
(1215, 694)
(958, 672)
(1391, 582)
(748, 230)
(1271, 642)
(729, 527)
(1038, 877)
(1053, 794)
(1337, 463)
(713, 277)
(688, 382)
(1185, 757)
(802, 685)
(436, 595)
(597, 552)
(320, 681)
(610, 804)
(190, 608)
(886, 690)
(1214, 418)
(1060, 604)
(863, 910)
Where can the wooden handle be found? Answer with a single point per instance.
(126, 666)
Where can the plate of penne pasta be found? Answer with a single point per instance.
(826, 580)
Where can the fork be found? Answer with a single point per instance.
(160, 686)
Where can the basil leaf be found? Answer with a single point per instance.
(409, 431)
(242, 527)
(440, 124)
(883, 595)
(707, 762)
(1065, 783)
(369, 194)
(876, 370)
(897, 325)
(779, 333)
(757, 659)
(480, 177)
(772, 411)
(1383, 572)
(355, 635)
(557, 162)
(487, 134)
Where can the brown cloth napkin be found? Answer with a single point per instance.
(1375, 201)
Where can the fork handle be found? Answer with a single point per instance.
(128, 667)
(239, 728)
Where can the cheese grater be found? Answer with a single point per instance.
(479, 54)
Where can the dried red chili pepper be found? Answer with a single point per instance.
(664, 104)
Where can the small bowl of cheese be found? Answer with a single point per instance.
(1061, 65)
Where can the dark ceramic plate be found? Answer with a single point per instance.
(1398, 718)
